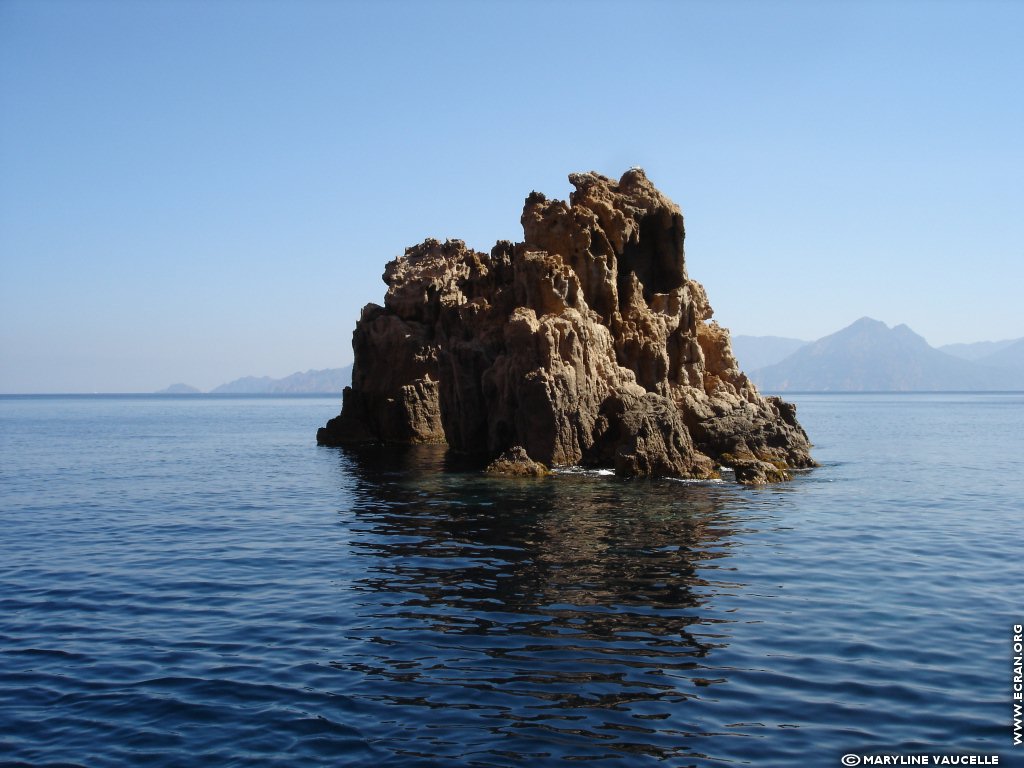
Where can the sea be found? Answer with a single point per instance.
(192, 581)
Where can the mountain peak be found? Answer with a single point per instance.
(867, 329)
(869, 356)
(868, 322)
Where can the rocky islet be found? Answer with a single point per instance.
(585, 344)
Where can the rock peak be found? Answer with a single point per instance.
(586, 343)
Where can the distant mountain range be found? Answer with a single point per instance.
(977, 350)
(331, 380)
(868, 356)
(1010, 356)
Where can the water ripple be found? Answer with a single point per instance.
(171, 595)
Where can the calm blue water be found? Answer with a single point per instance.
(192, 581)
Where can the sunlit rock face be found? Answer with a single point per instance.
(587, 343)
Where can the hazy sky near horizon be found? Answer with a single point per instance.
(196, 191)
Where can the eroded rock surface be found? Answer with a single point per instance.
(587, 343)
(516, 462)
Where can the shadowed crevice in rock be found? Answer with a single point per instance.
(585, 343)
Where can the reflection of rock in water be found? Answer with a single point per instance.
(564, 606)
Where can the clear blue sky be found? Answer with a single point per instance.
(196, 191)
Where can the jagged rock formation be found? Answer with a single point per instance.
(517, 462)
(585, 344)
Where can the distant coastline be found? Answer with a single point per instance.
(311, 382)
